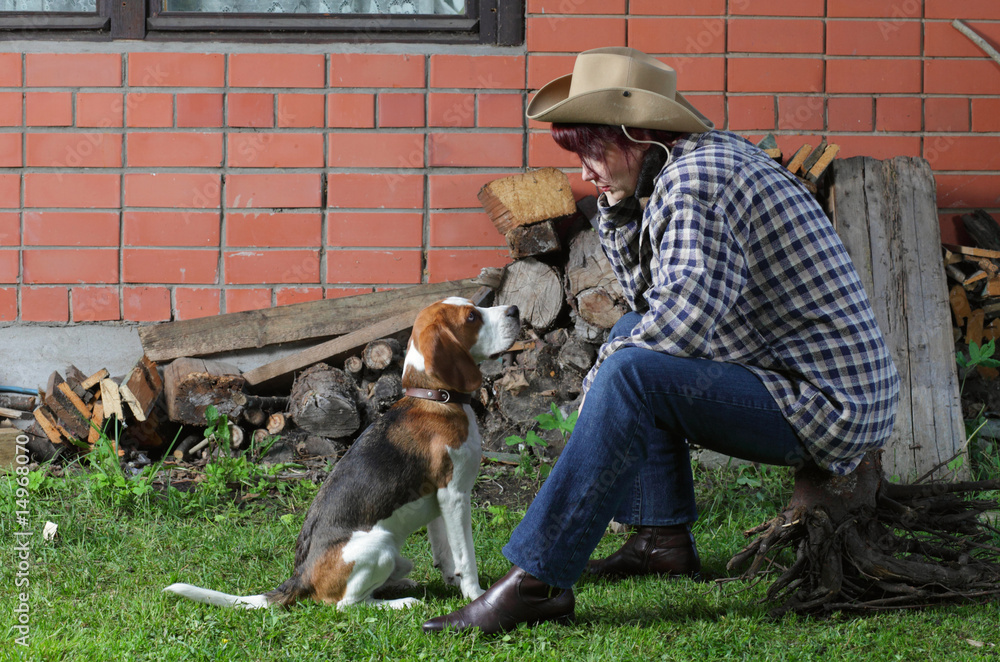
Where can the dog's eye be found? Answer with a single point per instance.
(473, 317)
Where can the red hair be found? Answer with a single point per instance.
(590, 141)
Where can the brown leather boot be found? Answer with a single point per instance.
(652, 550)
(516, 598)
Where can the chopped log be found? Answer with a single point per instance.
(185, 445)
(236, 437)
(960, 307)
(822, 164)
(535, 288)
(75, 379)
(795, 163)
(537, 239)
(587, 266)
(533, 197)
(578, 355)
(770, 146)
(975, 252)
(353, 365)
(974, 330)
(380, 354)
(813, 158)
(40, 446)
(323, 402)
(14, 413)
(301, 321)
(599, 308)
(992, 287)
(385, 392)
(78, 404)
(141, 387)
(144, 434)
(983, 229)
(94, 379)
(74, 421)
(275, 424)
(20, 401)
(259, 437)
(111, 400)
(97, 423)
(254, 417)
(48, 423)
(192, 385)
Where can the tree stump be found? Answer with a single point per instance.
(323, 402)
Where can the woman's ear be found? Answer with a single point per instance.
(448, 360)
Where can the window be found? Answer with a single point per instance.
(498, 22)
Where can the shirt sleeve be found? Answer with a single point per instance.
(697, 272)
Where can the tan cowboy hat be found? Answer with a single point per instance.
(618, 86)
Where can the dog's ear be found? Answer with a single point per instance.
(448, 360)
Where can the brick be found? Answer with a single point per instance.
(159, 265)
(801, 113)
(376, 70)
(251, 110)
(44, 304)
(873, 38)
(464, 229)
(873, 9)
(964, 77)
(165, 228)
(194, 302)
(48, 109)
(8, 304)
(379, 230)
(72, 228)
(199, 110)
(986, 115)
(286, 296)
(898, 114)
(561, 34)
(707, 74)
(256, 298)
(775, 36)
(967, 9)
(146, 304)
(678, 7)
(44, 189)
(544, 68)
(10, 229)
(9, 266)
(713, 106)
(451, 109)
(272, 266)
(379, 267)
(99, 109)
(10, 191)
(401, 110)
(10, 70)
(174, 149)
(946, 114)
(850, 113)
(942, 40)
(444, 264)
(484, 150)
(968, 191)
(458, 191)
(375, 191)
(149, 110)
(501, 110)
(176, 69)
(74, 150)
(301, 111)
(761, 74)
(338, 292)
(751, 113)
(273, 190)
(77, 265)
(492, 72)
(10, 150)
(275, 150)
(962, 152)
(274, 230)
(693, 36)
(880, 147)
(95, 304)
(777, 7)
(351, 110)
(881, 76)
(276, 70)
(73, 70)
(543, 152)
(172, 189)
(377, 150)
(10, 108)
(576, 7)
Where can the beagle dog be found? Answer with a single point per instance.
(413, 467)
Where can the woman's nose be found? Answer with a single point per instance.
(588, 174)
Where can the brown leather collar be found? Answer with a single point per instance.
(442, 395)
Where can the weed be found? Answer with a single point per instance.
(531, 441)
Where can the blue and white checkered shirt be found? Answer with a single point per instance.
(733, 260)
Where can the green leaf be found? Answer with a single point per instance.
(534, 440)
(513, 440)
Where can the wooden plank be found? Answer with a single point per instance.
(141, 387)
(813, 157)
(48, 424)
(795, 163)
(8, 447)
(829, 154)
(970, 250)
(302, 321)
(111, 400)
(66, 413)
(191, 385)
(323, 351)
(12, 413)
(94, 379)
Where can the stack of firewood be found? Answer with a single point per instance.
(809, 164)
(974, 279)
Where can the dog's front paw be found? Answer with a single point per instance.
(454, 579)
(472, 592)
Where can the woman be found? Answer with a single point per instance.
(750, 335)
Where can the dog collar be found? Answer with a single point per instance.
(442, 395)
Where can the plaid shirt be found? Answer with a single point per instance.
(733, 260)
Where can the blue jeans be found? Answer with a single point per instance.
(628, 458)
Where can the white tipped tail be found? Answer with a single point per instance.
(218, 598)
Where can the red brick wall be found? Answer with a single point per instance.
(148, 186)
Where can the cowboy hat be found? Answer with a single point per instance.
(618, 86)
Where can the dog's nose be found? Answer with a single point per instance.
(512, 311)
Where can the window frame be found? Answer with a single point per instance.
(491, 22)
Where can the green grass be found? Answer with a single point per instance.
(95, 591)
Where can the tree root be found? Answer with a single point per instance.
(861, 543)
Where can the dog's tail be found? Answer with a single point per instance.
(218, 598)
